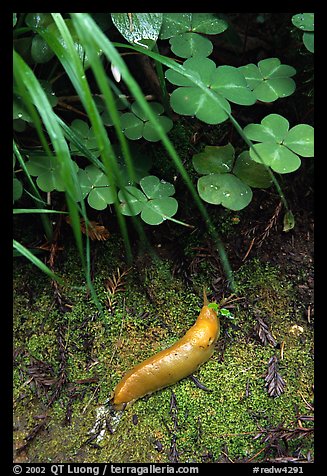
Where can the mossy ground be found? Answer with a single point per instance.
(152, 311)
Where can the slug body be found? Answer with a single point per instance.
(173, 364)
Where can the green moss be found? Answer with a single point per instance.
(152, 312)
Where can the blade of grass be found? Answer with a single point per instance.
(22, 70)
(22, 91)
(36, 261)
(162, 82)
(73, 65)
(108, 97)
(17, 211)
(73, 137)
(68, 172)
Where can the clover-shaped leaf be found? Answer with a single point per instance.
(231, 83)
(132, 200)
(155, 188)
(154, 202)
(41, 51)
(94, 183)
(19, 110)
(308, 41)
(279, 145)
(17, 189)
(224, 189)
(176, 23)
(305, 22)
(136, 124)
(225, 82)
(192, 100)
(214, 159)
(138, 28)
(190, 44)
(269, 80)
(48, 172)
(17, 184)
(86, 136)
(250, 172)
(220, 184)
(38, 20)
(158, 210)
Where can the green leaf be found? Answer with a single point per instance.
(288, 221)
(139, 28)
(48, 172)
(14, 19)
(190, 44)
(41, 51)
(155, 188)
(308, 40)
(86, 136)
(17, 189)
(272, 128)
(94, 183)
(226, 190)
(279, 146)
(150, 132)
(304, 21)
(250, 172)
(300, 139)
(132, 125)
(214, 306)
(192, 101)
(231, 83)
(136, 124)
(176, 23)
(276, 156)
(155, 204)
(214, 159)
(38, 20)
(19, 110)
(199, 67)
(157, 210)
(208, 23)
(269, 80)
(132, 200)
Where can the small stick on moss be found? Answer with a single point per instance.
(264, 333)
(114, 285)
(199, 384)
(274, 382)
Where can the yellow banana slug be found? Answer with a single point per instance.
(173, 364)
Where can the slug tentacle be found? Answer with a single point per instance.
(173, 364)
